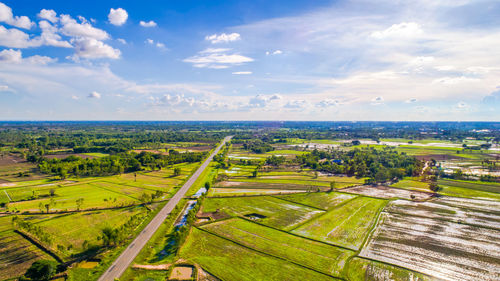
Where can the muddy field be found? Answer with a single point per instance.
(448, 239)
(386, 192)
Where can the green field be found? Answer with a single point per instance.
(362, 269)
(320, 200)
(278, 213)
(322, 257)
(74, 229)
(346, 226)
(465, 189)
(230, 261)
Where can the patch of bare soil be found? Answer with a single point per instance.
(181, 273)
(152, 267)
(382, 191)
(205, 276)
(11, 160)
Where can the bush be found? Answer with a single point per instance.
(42, 270)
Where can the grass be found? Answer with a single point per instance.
(74, 229)
(320, 200)
(476, 185)
(215, 192)
(96, 154)
(362, 269)
(230, 261)
(322, 257)
(346, 225)
(279, 213)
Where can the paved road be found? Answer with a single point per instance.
(123, 261)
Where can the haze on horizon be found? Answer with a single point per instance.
(250, 60)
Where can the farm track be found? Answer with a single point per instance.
(127, 256)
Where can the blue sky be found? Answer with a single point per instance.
(250, 60)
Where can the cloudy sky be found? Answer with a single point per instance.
(250, 60)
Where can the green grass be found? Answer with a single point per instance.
(346, 225)
(320, 200)
(279, 213)
(412, 185)
(361, 269)
(144, 275)
(476, 185)
(219, 192)
(230, 261)
(74, 229)
(305, 252)
(96, 154)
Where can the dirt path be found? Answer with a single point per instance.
(8, 196)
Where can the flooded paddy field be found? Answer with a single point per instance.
(450, 239)
(387, 192)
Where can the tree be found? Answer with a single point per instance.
(255, 173)
(433, 186)
(109, 236)
(52, 192)
(177, 171)
(79, 203)
(207, 185)
(332, 185)
(41, 270)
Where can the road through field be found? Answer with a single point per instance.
(123, 261)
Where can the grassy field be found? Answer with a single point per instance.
(230, 261)
(278, 213)
(320, 200)
(346, 226)
(73, 229)
(218, 192)
(305, 252)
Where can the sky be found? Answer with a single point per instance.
(384, 60)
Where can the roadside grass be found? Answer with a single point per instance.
(278, 213)
(346, 225)
(230, 261)
(308, 253)
(320, 200)
(363, 269)
(135, 274)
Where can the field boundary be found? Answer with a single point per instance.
(39, 245)
(305, 205)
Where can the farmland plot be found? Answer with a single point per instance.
(386, 192)
(214, 192)
(447, 209)
(312, 254)
(320, 200)
(440, 248)
(362, 269)
(274, 212)
(346, 225)
(230, 261)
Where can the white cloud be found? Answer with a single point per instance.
(4, 88)
(462, 105)
(17, 21)
(118, 16)
(412, 100)
(10, 56)
(455, 80)
(159, 45)
(50, 37)
(89, 48)
(262, 101)
(70, 27)
(296, 104)
(121, 40)
(15, 56)
(49, 15)
(148, 24)
(401, 30)
(242, 72)
(377, 100)
(277, 52)
(15, 38)
(216, 59)
(94, 95)
(223, 38)
(328, 103)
